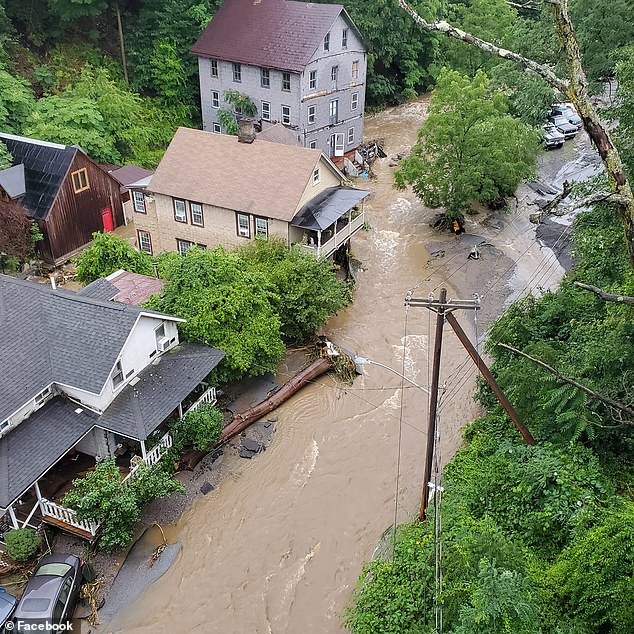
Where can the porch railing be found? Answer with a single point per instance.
(208, 397)
(151, 458)
(330, 246)
(68, 516)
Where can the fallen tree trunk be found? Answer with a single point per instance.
(242, 420)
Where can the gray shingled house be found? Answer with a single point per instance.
(302, 64)
(84, 378)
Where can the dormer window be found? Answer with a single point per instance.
(117, 375)
(42, 396)
(327, 42)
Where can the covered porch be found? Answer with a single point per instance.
(329, 220)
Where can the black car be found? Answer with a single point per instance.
(564, 126)
(7, 607)
(51, 593)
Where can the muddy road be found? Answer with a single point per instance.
(278, 546)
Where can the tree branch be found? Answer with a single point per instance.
(606, 400)
(444, 27)
(606, 297)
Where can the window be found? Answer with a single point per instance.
(180, 211)
(216, 127)
(334, 71)
(266, 111)
(261, 228)
(159, 333)
(355, 101)
(312, 112)
(183, 246)
(80, 180)
(215, 99)
(139, 202)
(286, 82)
(145, 241)
(265, 78)
(214, 67)
(350, 135)
(237, 72)
(41, 397)
(117, 375)
(286, 115)
(344, 38)
(243, 225)
(313, 145)
(312, 80)
(355, 70)
(316, 176)
(196, 213)
(333, 111)
(327, 42)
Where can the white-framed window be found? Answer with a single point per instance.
(180, 210)
(265, 78)
(214, 67)
(355, 101)
(313, 145)
(215, 99)
(183, 246)
(243, 226)
(266, 111)
(312, 114)
(286, 82)
(42, 396)
(316, 177)
(344, 38)
(237, 72)
(196, 213)
(327, 42)
(355, 69)
(334, 71)
(333, 110)
(286, 115)
(145, 241)
(312, 80)
(216, 127)
(159, 333)
(261, 228)
(117, 375)
(138, 199)
(350, 135)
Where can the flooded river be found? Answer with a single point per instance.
(278, 546)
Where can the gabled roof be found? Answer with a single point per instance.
(134, 288)
(261, 178)
(45, 167)
(271, 33)
(13, 182)
(278, 133)
(328, 206)
(57, 336)
(128, 174)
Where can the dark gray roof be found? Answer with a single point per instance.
(36, 444)
(56, 336)
(45, 167)
(327, 207)
(12, 181)
(99, 289)
(142, 407)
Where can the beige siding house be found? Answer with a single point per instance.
(212, 189)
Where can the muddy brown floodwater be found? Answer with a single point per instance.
(278, 546)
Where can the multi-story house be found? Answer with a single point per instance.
(86, 376)
(301, 64)
(212, 189)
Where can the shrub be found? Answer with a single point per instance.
(200, 429)
(22, 543)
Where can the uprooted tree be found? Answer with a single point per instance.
(575, 86)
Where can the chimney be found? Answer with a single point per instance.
(246, 132)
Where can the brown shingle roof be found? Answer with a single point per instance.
(278, 133)
(261, 178)
(270, 33)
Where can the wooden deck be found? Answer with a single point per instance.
(68, 528)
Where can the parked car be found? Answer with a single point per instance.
(567, 110)
(552, 137)
(51, 593)
(564, 126)
(7, 608)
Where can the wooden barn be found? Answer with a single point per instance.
(65, 192)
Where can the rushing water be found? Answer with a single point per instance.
(278, 546)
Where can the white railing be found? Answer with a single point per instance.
(151, 458)
(330, 246)
(68, 516)
(208, 398)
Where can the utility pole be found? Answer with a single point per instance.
(121, 44)
(444, 310)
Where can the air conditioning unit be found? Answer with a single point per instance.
(163, 344)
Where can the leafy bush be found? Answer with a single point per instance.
(108, 253)
(200, 428)
(22, 543)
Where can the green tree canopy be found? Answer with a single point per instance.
(16, 102)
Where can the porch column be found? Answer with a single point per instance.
(143, 452)
(319, 243)
(38, 493)
(180, 411)
(335, 225)
(14, 519)
(350, 221)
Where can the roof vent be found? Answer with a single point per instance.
(134, 381)
(79, 410)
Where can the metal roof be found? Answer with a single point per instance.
(12, 181)
(327, 207)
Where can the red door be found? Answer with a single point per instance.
(106, 217)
